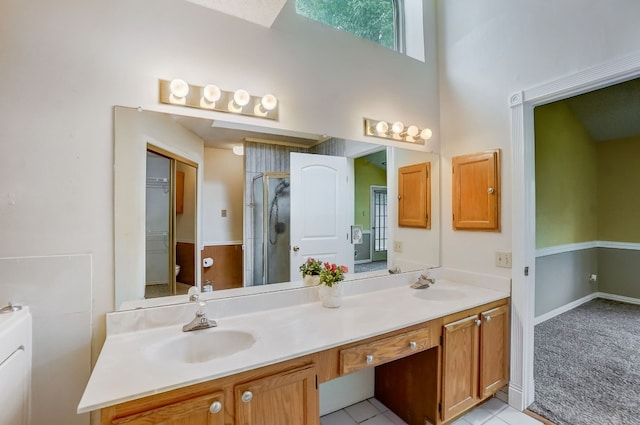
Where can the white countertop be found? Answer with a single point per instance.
(126, 368)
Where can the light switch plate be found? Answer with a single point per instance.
(503, 259)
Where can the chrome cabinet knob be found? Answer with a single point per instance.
(215, 407)
(478, 322)
(413, 345)
(487, 318)
(247, 396)
(490, 190)
(369, 358)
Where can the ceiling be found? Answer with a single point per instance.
(224, 135)
(609, 113)
(261, 12)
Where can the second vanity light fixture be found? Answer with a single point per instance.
(396, 131)
(179, 92)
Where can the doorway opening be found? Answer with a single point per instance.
(371, 212)
(170, 224)
(521, 387)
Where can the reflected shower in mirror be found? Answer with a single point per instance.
(271, 205)
(244, 205)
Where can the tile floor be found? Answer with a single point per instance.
(372, 412)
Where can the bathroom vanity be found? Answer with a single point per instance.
(437, 353)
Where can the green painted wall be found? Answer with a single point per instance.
(566, 178)
(619, 190)
(366, 175)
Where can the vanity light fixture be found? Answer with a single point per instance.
(211, 97)
(396, 131)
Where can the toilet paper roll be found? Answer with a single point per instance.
(207, 262)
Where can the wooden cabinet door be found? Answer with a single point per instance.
(194, 411)
(494, 350)
(476, 191)
(414, 196)
(459, 366)
(287, 398)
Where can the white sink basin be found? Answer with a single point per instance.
(201, 346)
(439, 293)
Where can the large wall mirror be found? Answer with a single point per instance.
(224, 206)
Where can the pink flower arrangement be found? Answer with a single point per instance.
(332, 274)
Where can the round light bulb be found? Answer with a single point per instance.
(241, 97)
(238, 150)
(269, 102)
(412, 131)
(233, 107)
(426, 134)
(179, 88)
(397, 127)
(212, 93)
(382, 127)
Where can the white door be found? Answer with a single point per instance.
(321, 211)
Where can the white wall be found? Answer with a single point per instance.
(65, 64)
(492, 49)
(420, 247)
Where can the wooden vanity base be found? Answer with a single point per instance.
(412, 378)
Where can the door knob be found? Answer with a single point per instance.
(215, 407)
(296, 248)
(490, 190)
(247, 396)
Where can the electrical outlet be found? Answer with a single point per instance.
(223, 213)
(397, 246)
(593, 278)
(503, 259)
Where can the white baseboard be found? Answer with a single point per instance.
(579, 302)
(620, 298)
(516, 399)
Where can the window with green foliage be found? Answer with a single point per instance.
(375, 20)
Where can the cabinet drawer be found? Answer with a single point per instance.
(384, 350)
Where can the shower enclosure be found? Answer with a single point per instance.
(271, 204)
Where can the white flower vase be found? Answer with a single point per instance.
(311, 280)
(331, 296)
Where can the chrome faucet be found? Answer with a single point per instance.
(200, 321)
(423, 282)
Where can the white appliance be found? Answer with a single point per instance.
(15, 365)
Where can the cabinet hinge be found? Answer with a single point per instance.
(441, 340)
(439, 407)
(316, 382)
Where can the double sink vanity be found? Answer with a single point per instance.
(436, 352)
